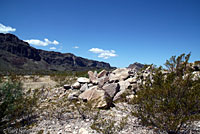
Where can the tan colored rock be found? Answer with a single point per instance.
(132, 80)
(102, 73)
(119, 74)
(93, 77)
(124, 85)
(76, 85)
(97, 98)
(102, 81)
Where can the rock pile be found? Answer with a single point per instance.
(104, 88)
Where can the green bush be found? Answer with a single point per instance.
(169, 101)
(16, 108)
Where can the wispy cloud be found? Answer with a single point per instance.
(76, 47)
(6, 29)
(105, 54)
(46, 42)
(52, 48)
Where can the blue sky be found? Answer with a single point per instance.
(119, 32)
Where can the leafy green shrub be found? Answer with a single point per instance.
(15, 107)
(172, 100)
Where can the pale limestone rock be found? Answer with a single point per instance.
(97, 98)
(83, 80)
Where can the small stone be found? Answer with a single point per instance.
(66, 86)
(76, 85)
(73, 96)
(83, 80)
(90, 85)
(83, 131)
(84, 87)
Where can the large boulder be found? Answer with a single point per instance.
(98, 98)
(111, 89)
(119, 74)
(102, 81)
(83, 80)
(124, 85)
(93, 77)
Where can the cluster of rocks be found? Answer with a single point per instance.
(104, 88)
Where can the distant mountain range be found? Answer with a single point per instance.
(136, 66)
(19, 57)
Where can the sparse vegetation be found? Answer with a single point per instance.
(16, 107)
(171, 100)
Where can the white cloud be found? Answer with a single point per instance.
(105, 54)
(6, 29)
(76, 47)
(52, 48)
(46, 42)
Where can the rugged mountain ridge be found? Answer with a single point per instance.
(136, 66)
(18, 56)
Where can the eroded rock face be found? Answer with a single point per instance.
(98, 98)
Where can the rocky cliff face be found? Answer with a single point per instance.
(18, 56)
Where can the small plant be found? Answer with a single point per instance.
(171, 100)
(16, 108)
(108, 125)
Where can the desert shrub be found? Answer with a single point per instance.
(171, 100)
(15, 107)
(105, 124)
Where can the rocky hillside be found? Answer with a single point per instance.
(18, 56)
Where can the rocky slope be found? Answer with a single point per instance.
(18, 56)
